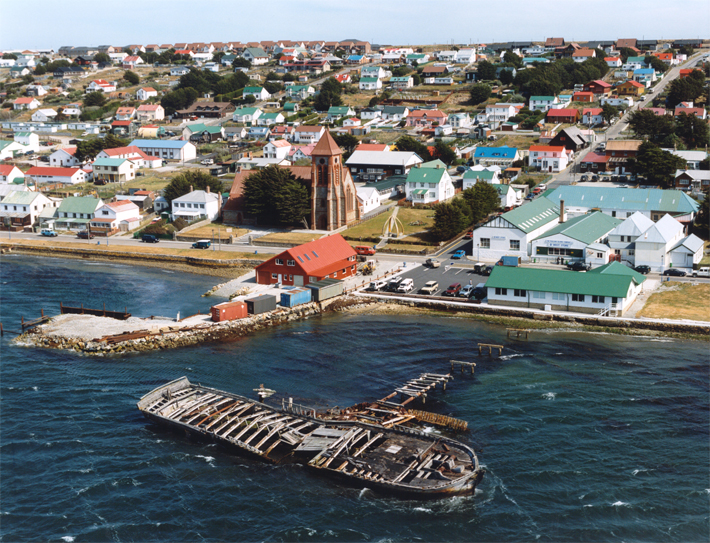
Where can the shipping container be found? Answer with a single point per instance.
(295, 296)
(326, 288)
(261, 304)
(229, 311)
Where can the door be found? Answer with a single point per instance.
(280, 278)
(298, 280)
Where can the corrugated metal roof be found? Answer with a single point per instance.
(669, 201)
(561, 281)
(20, 197)
(425, 175)
(79, 204)
(495, 152)
(109, 161)
(533, 215)
(168, 144)
(384, 158)
(321, 256)
(585, 228)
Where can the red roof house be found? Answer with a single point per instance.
(564, 115)
(583, 97)
(330, 256)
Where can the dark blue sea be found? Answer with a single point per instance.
(585, 437)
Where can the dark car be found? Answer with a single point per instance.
(85, 234)
(578, 265)
(149, 238)
(583, 178)
(643, 269)
(674, 272)
(394, 283)
(453, 290)
(44, 159)
(487, 270)
(595, 178)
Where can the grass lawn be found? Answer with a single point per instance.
(407, 216)
(290, 237)
(141, 248)
(520, 142)
(679, 301)
(413, 247)
(209, 230)
(706, 257)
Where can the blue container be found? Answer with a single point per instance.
(295, 296)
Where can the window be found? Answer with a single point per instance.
(290, 277)
(613, 213)
(558, 296)
(600, 255)
(514, 244)
(312, 279)
(279, 262)
(632, 252)
(290, 262)
(274, 276)
(519, 293)
(539, 295)
(614, 300)
(501, 291)
(597, 299)
(485, 243)
(104, 212)
(577, 297)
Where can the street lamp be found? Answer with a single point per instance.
(478, 252)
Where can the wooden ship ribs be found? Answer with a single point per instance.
(368, 445)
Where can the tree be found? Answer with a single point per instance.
(445, 153)
(346, 141)
(96, 98)
(102, 57)
(448, 221)
(178, 99)
(416, 79)
(217, 57)
(511, 58)
(486, 71)
(656, 165)
(40, 70)
(275, 196)
(686, 89)
(506, 76)
(482, 199)
(704, 164)
(480, 93)
(9, 56)
(609, 112)
(646, 123)
(332, 85)
(686, 50)
(626, 52)
(656, 63)
(197, 179)
(273, 88)
(325, 99)
(693, 131)
(241, 62)
(702, 219)
(131, 77)
(288, 77)
(88, 149)
(408, 143)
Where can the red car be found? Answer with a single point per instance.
(85, 234)
(469, 235)
(453, 290)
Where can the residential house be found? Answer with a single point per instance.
(150, 112)
(497, 114)
(630, 88)
(695, 180)
(428, 185)
(76, 212)
(426, 118)
(434, 71)
(179, 70)
(44, 115)
(343, 79)
(259, 93)
(201, 133)
(583, 97)
(571, 137)
(608, 289)
(509, 197)
(45, 174)
(688, 252)
(10, 149)
(112, 217)
(496, 156)
(549, 158)
(278, 149)
(460, 120)
(30, 140)
(370, 113)
(144, 93)
(593, 163)
(307, 134)
(698, 112)
(212, 110)
(20, 209)
(393, 113)
(405, 82)
(101, 85)
(327, 257)
(553, 43)
(134, 154)
(692, 158)
(622, 154)
(511, 233)
(26, 102)
(258, 132)
(167, 149)
(19, 71)
(580, 55)
(599, 88)
(647, 76)
(300, 92)
(481, 175)
(592, 116)
(130, 62)
(542, 103)
(9, 173)
(368, 199)
(564, 115)
(379, 165)
(270, 119)
(622, 239)
(246, 115)
(613, 62)
(338, 112)
(64, 158)
(653, 247)
(198, 204)
(369, 83)
(256, 55)
(125, 113)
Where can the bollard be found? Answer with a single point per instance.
(256, 252)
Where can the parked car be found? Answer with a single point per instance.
(453, 290)
(44, 159)
(487, 270)
(479, 291)
(85, 234)
(202, 244)
(432, 262)
(466, 291)
(595, 178)
(478, 267)
(542, 186)
(365, 250)
(468, 235)
(530, 196)
(394, 283)
(675, 272)
(149, 238)
(606, 178)
(377, 285)
(701, 272)
(458, 254)
(49, 233)
(207, 162)
(642, 269)
(583, 178)
(623, 179)
(461, 169)
(406, 285)
(430, 288)
(578, 265)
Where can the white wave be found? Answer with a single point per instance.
(707, 490)
(509, 356)
(68, 538)
(620, 504)
(208, 459)
(423, 509)
(87, 470)
(35, 388)
(81, 491)
(549, 395)
(637, 471)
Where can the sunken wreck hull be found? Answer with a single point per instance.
(400, 461)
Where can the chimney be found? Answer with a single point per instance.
(191, 188)
(419, 165)
(207, 189)
(562, 211)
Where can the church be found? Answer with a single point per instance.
(332, 191)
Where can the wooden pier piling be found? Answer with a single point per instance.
(518, 331)
(471, 365)
(490, 348)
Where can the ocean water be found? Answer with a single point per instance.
(585, 437)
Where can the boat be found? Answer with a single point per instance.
(364, 451)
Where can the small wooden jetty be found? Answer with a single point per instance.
(35, 322)
(366, 453)
(417, 388)
(518, 332)
(125, 315)
(490, 346)
(463, 365)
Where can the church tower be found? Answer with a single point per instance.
(333, 194)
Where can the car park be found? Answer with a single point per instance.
(49, 233)
(429, 288)
(85, 234)
(458, 254)
(377, 285)
(405, 285)
(674, 272)
(394, 283)
(466, 291)
(149, 238)
(202, 244)
(432, 262)
(453, 290)
(642, 269)
(578, 265)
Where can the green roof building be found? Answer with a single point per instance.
(571, 238)
(75, 212)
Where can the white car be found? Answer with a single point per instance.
(207, 162)
(377, 285)
(406, 285)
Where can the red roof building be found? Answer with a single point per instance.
(593, 162)
(583, 97)
(330, 256)
(564, 115)
(699, 112)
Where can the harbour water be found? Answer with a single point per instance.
(585, 437)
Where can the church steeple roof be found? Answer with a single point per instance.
(326, 146)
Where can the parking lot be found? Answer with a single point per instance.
(445, 275)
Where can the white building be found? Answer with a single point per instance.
(653, 247)
(622, 239)
(68, 176)
(44, 115)
(64, 158)
(195, 205)
(29, 140)
(246, 115)
(496, 114)
(150, 112)
(688, 252)
(10, 172)
(23, 205)
(543, 103)
(512, 233)
(259, 93)
(277, 149)
(122, 215)
(460, 120)
(167, 149)
(426, 184)
(146, 92)
(134, 154)
(368, 199)
(549, 158)
(307, 134)
(370, 83)
(113, 170)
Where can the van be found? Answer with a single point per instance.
(406, 285)
(365, 250)
(149, 238)
(702, 272)
(202, 244)
(479, 291)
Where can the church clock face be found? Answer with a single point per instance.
(321, 161)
